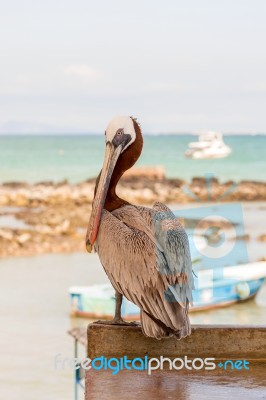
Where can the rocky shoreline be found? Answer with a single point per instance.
(55, 216)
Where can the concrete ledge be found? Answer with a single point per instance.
(219, 341)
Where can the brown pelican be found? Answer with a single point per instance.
(144, 251)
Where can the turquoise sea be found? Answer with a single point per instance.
(78, 157)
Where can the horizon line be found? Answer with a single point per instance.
(80, 133)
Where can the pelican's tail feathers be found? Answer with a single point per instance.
(185, 330)
(158, 330)
(151, 328)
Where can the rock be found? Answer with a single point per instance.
(8, 235)
(63, 228)
(4, 200)
(21, 200)
(157, 173)
(15, 185)
(23, 238)
(245, 237)
(43, 229)
(262, 238)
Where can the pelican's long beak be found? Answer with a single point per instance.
(110, 159)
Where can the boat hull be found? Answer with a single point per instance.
(220, 294)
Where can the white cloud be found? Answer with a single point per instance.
(167, 87)
(83, 72)
(255, 88)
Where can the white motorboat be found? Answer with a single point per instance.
(209, 145)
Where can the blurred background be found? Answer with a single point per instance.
(194, 76)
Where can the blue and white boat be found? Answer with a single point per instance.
(235, 283)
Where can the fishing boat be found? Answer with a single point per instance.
(237, 283)
(209, 145)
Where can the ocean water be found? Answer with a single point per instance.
(79, 157)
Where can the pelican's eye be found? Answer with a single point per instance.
(121, 138)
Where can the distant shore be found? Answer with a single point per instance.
(52, 218)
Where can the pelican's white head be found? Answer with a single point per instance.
(120, 132)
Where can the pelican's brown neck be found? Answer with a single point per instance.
(126, 160)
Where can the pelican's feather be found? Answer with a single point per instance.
(145, 254)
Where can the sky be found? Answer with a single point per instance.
(178, 66)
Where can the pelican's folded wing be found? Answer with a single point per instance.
(173, 239)
(135, 257)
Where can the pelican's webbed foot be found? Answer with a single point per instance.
(117, 321)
